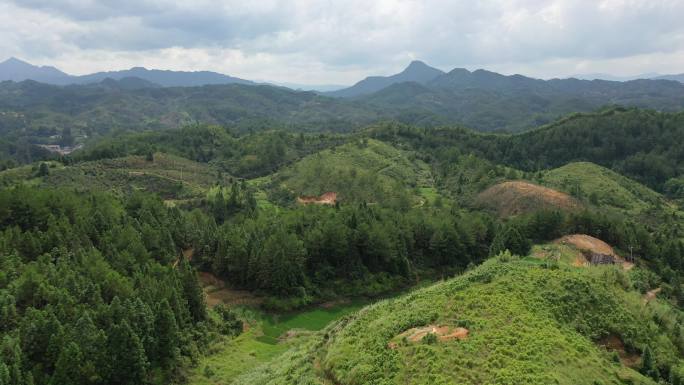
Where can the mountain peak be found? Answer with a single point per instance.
(419, 67)
(417, 71)
(417, 64)
(13, 60)
(17, 70)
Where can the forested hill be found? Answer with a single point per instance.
(36, 113)
(488, 101)
(644, 145)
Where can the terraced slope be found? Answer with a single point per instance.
(170, 176)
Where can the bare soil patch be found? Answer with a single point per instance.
(517, 197)
(614, 343)
(585, 242)
(591, 245)
(328, 198)
(332, 304)
(651, 295)
(443, 333)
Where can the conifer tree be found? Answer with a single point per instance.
(128, 363)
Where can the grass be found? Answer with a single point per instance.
(529, 323)
(566, 254)
(315, 319)
(603, 187)
(234, 357)
(369, 170)
(263, 342)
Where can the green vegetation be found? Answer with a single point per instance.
(98, 251)
(639, 144)
(527, 324)
(266, 340)
(168, 176)
(362, 171)
(88, 294)
(603, 188)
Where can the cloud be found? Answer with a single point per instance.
(340, 41)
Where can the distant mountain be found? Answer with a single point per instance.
(308, 87)
(18, 70)
(677, 78)
(614, 78)
(164, 78)
(128, 83)
(417, 72)
(489, 101)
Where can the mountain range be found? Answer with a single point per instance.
(18, 70)
(140, 99)
(417, 71)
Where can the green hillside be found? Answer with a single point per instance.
(528, 322)
(360, 171)
(169, 176)
(603, 187)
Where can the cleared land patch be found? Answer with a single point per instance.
(518, 197)
(442, 332)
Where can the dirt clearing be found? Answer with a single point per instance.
(651, 295)
(518, 197)
(590, 246)
(443, 333)
(585, 242)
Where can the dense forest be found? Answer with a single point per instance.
(93, 291)
(637, 143)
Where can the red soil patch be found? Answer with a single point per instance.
(329, 198)
(589, 245)
(613, 343)
(443, 333)
(517, 197)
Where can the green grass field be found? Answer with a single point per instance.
(266, 340)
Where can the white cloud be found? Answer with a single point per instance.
(317, 41)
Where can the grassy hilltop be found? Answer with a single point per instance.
(529, 322)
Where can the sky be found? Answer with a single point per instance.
(342, 41)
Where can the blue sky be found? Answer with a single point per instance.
(339, 42)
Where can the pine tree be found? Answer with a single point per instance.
(67, 368)
(167, 335)
(192, 292)
(648, 365)
(127, 356)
